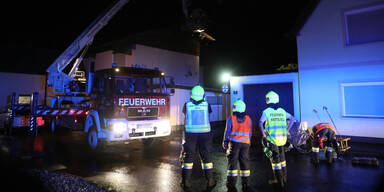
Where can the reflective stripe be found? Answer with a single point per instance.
(242, 139)
(283, 164)
(239, 133)
(329, 149)
(199, 129)
(187, 165)
(232, 173)
(245, 173)
(277, 127)
(315, 149)
(278, 135)
(207, 165)
(276, 166)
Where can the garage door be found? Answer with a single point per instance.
(254, 97)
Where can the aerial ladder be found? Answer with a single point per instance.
(64, 85)
(68, 83)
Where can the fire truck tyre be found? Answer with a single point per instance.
(148, 142)
(52, 126)
(92, 138)
(7, 129)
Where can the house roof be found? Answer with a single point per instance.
(170, 38)
(303, 17)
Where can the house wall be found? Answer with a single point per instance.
(325, 62)
(183, 67)
(103, 60)
(21, 84)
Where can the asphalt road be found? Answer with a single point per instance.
(137, 167)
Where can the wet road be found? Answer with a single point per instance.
(156, 168)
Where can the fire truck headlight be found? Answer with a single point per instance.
(119, 127)
(164, 127)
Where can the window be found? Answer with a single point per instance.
(214, 100)
(364, 25)
(363, 99)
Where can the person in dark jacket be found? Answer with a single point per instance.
(324, 136)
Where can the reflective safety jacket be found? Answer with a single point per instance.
(276, 126)
(320, 126)
(240, 132)
(197, 118)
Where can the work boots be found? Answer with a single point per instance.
(186, 184)
(315, 158)
(211, 183)
(231, 183)
(245, 184)
(280, 178)
(284, 173)
(328, 154)
(278, 184)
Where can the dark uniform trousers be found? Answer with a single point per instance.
(197, 143)
(278, 163)
(330, 144)
(238, 154)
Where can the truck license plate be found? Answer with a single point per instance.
(143, 112)
(145, 127)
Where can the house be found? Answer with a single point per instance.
(341, 69)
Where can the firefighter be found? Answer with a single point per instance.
(237, 139)
(273, 126)
(323, 136)
(197, 137)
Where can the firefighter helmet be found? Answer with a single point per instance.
(197, 93)
(272, 97)
(239, 106)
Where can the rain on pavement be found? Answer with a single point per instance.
(135, 166)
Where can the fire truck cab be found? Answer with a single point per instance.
(128, 103)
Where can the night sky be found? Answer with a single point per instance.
(252, 37)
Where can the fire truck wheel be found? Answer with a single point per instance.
(148, 142)
(52, 126)
(92, 138)
(7, 129)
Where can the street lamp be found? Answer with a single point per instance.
(225, 78)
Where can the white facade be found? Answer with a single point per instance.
(183, 67)
(20, 84)
(326, 62)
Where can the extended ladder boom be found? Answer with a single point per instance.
(59, 80)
